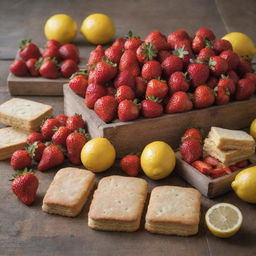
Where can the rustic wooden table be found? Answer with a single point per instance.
(27, 230)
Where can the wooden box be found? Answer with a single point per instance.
(133, 136)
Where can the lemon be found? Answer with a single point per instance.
(157, 160)
(98, 155)
(241, 43)
(244, 185)
(253, 129)
(223, 220)
(60, 27)
(98, 28)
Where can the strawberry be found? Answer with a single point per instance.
(191, 150)
(151, 107)
(242, 164)
(132, 42)
(157, 88)
(233, 168)
(78, 83)
(222, 95)
(111, 91)
(252, 77)
(233, 75)
(205, 54)
(75, 142)
(212, 161)
(162, 55)
(124, 78)
(192, 133)
(94, 92)
(53, 43)
(205, 33)
(140, 86)
(62, 119)
(124, 92)
(52, 156)
(119, 42)
(185, 53)
(114, 53)
(75, 122)
(30, 63)
(69, 51)
(212, 82)
(178, 82)
(130, 164)
(151, 69)
(185, 43)
(199, 43)
(106, 108)
(127, 110)
(217, 172)
(231, 58)
(244, 66)
(218, 66)
(177, 36)
(179, 102)
(68, 67)
(20, 160)
(129, 62)
(48, 68)
(35, 150)
(203, 97)
(28, 50)
(198, 73)
(59, 137)
(222, 45)
(19, 68)
(24, 186)
(228, 84)
(96, 55)
(48, 127)
(245, 89)
(51, 52)
(202, 167)
(146, 52)
(227, 170)
(171, 64)
(158, 40)
(34, 136)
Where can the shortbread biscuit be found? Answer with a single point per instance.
(24, 114)
(68, 191)
(117, 204)
(173, 211)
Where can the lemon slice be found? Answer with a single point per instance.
(223, 220)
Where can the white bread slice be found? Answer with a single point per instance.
(11, 139)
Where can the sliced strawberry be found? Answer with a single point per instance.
(242, 164)
(202, 167)
(212, 161)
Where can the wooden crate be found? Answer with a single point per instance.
(132, 136)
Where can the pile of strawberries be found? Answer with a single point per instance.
(191, 150)
(163, 74)
(56, 60)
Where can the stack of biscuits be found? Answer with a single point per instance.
(229, 146)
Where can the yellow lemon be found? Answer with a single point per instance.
(223, 220)
(253, 129)
(241, 43)
(98, 155)
(98, 28)
(60, 27)
(157, 160)
(244, 185)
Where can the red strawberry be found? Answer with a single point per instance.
(151, 107)
(132, 42)
(75, 142)
(179, 102)
(228, 84)
(158, 40)
(34, 136)
(151, 69)
(217, 172)
(212, 82)
(129, 62)
(52, 156)
(177, 36)
(62, 119)
(178, 82)
(191, 150)
(68, 67)
(233, 168)
(130, 164)
(162, 55)
(252, 77)
(212, 161)
(192, 133)
(49, 68)
(59, 137)
(172, 64)
(231, 58)
(124, 92)
(69, 51)
(244, 66)
(114, 53)
(96, 55)
(222, 95)
(24, 186)
(222, 45)
(111, 91)
(245, 89)
(156, 88)
(185, 53)
(36, 150)
(146, 52)
(106, 108)
(198, 73)
(53, 43)
(19, 68)
(20, 160)
(205, 54)
(140, 86)
(94, 92)
(205, 33)
(30, 63)
(119, 42)
(218, 65)
(127, 111)
(202, 167)
(233, 75)
(203, 97)
(198, 44)
(242, 164)
(78, 83)
(75, 122)
(124, 78)
(28, 50)
(51, 52)
(48, 127)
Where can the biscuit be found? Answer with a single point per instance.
(68, 191)
(173, 211)
(117, 204)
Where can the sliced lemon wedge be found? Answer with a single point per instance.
(223, 220)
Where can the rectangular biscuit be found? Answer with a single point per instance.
(24, 114)
(117, 204)
(173, 211)
(68, 191)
